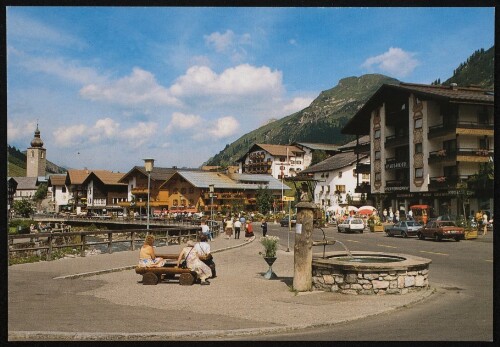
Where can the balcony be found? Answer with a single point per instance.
(445, 182)
(139, 190)
(362, 169)
(397, 185)
(396, 163)
(461, 127)
(396, 141)
(460, 154)
(362, 148)
(364, 187)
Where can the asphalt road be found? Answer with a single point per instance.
(461, 273)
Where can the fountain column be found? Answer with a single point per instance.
(302, 275)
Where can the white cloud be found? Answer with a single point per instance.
(69, 136)
(183, 121)
(64, 69)
(24, 28)
(240, 80)
(139, 88)
(297, 104)
(395, 61)
(224, 127)
(293, 42)
(16, 131)
(220, 42)
(139, 134)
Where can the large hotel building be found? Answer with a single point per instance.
(424, 141)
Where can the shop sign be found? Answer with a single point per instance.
(397, 165)
(393, 189)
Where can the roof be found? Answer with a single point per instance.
(57, 180)
(334, 162)
(107, 177)
(202, 179)
(274, 150)
(359, 123)
(77, 176)
(318, 146)
(26, 182)
(158, 173)
(363, 140)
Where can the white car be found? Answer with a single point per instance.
(351, 224)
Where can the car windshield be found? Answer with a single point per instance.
(357, 221)
(412, 224)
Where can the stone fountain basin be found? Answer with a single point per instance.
(407, 273)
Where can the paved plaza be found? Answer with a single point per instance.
(100, 297)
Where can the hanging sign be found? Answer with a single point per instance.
(298, 228)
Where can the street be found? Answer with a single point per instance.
(460, 310)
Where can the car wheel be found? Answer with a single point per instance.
(390, 234)
(420, 236)
(361, 231)
(404, 234)
(437, 237)
(338, 230)
(457, 238)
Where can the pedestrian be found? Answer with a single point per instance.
(485, 223)
(237, 229)
(248, 231)
(194, 263)
(229, 228)
(203, 250)
(410, 214)
(263, 225)
(384, 213)
(243, 223)
(205, 230)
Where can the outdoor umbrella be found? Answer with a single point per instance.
(352, 208)
(365, 211)
(367, 208)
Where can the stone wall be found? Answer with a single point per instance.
(369, 282)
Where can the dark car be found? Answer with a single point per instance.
(404, 228)
(439, 230)
(284, 221)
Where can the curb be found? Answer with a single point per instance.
(129, 267)
(192, 335)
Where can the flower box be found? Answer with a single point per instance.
(376, 228)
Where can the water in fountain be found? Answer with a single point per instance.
(346, 249)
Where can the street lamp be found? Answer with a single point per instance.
(148, 166)
(211, 189)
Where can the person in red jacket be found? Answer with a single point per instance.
(248, 230)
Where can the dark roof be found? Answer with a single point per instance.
(363, 140)
(334, 162)
(158, 173)
(328, 147)
(359, 124)
(57, 180)
(108, 178)
(26, 182)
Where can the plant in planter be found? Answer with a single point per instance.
(270, 244)
(375, 224)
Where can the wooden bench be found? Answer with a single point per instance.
(153, 275)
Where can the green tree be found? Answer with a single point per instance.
(23, 208)
(263, 199)
(41, 192)
(482, 181)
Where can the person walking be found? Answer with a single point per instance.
(205, 230)
(485, 223)
(263, 225)
(229, 227)
(248, 231)
(237, 229)
(243, 223)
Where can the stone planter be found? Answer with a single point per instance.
(377, 228)
(470, 234)
(270, 274)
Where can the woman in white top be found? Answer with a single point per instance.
(237, 229)
(229, 228)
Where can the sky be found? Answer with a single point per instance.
(110, 86)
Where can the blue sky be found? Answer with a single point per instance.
(110, 86)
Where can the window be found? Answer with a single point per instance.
(378, 177)
(354, 174)
(176, 190)
(175, 202)
(32, 154)
(482, 116)
(365, 177)
(377, 134)
(183, 190)
(419, 173)
(377, 155)
(340, 174)
(418, 123)
(63, 189)
(340, 188)
(191, 190)
(41, 155)
(418, 148)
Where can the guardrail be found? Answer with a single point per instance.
(79, 239)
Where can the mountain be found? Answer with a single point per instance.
(477, 70)
(16, 164)
(319, 122)
(322, 121)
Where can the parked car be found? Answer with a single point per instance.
(284, 221)
(351, 224)
(439, 230)
(404, 228)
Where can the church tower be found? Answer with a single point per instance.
(36, 161)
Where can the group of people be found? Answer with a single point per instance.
(192, 253)
(234, 225)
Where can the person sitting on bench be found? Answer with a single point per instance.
(147, 256)
(203, 250)
(194, 263)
